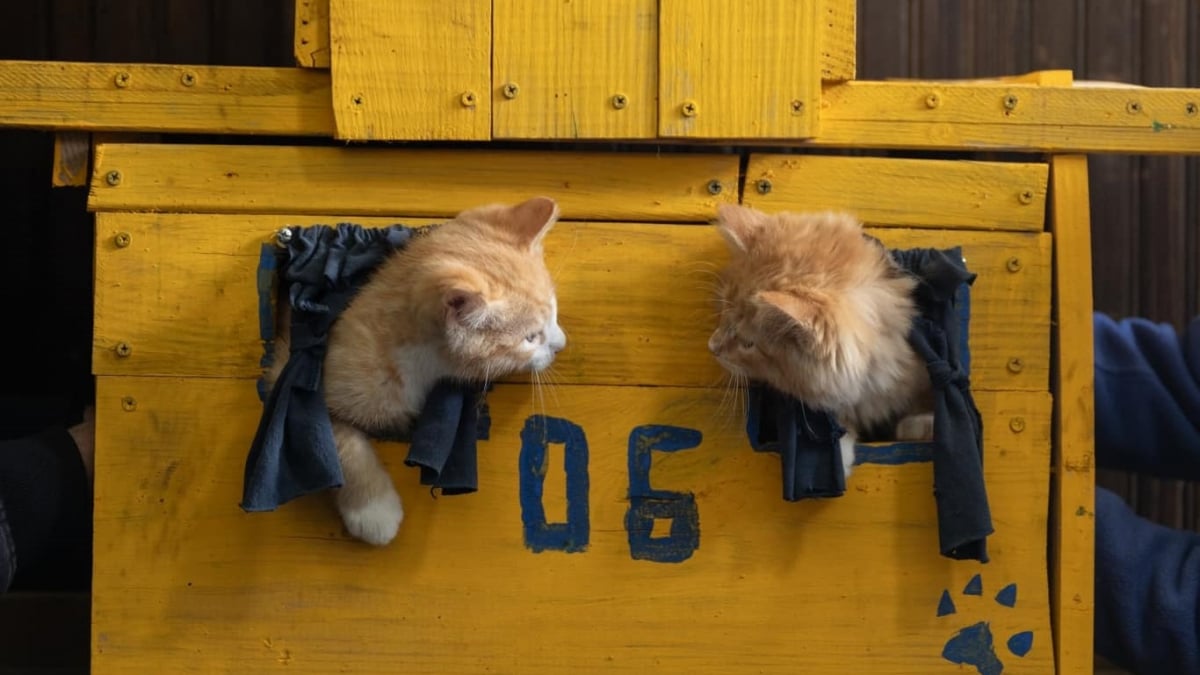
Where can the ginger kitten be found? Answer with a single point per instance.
(816, 309)
(470, 299)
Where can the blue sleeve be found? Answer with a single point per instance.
(1147, 397)
(1147, 591)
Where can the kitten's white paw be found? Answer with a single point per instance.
(915, 428)
(846, 443)
(377, 521)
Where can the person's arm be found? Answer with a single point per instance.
(1147, 592)
(1147, 397)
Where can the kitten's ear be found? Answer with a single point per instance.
(532, 219)
(790, 315)
(465, 307)
(739, 224)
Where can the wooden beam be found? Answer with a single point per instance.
(312, 33)
(72, 150)
(67, 96)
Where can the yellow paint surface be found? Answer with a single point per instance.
(402, 70)
(311, 33)
(186, 581)
(746, 69)
(635, 300)
(912, 192)
(1073, 505)
(386, 181)
(838, 29)
(569, 61)
(142, 97)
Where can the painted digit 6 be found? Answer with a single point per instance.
(647, 504)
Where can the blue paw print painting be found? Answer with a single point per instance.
(975, 645)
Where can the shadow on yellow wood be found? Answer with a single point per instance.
(636, 300)
(849, 585)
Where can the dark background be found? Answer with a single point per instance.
(1145, 210)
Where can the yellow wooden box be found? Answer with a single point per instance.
(186, 582)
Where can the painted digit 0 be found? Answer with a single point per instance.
(572, 536)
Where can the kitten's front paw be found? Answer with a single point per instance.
(375, 521)
(915, 428)
(846, 443)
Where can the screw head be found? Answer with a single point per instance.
(1017, 424)
(763, 186)
(689, 109)
(933, 100)
(1133, 107)
(128, 403)
(619, 101)
(467, 99)
(1026, 196)
(1011, 101)
(1015, 365)
(122, 240)
(283, 236)
(1191, 109)
(188, 79)
(113, 178)
(122, 79)
(797, 107)
(1013, 264)
(510, 90)
(123, 349)
(714, 187)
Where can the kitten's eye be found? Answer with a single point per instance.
(533, 337)
(745, 344)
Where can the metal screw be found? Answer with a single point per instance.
(1191, 109)
(1015, 365)
(128, 404)
(689, 109)
(283, 236)
(714, 187)
(510, 90)
(467, 99)
(1026, 196)
(123, 349)
(619, 101)
(933, 101)
(188, 79)
(1013, 264)
(1010, 102)
(797, 107)
(763, 186)
(122, 239)
(113, 178)
(1017, 424)
(1133, 107)
(121, 80)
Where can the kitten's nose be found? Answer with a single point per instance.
(559, 342)
(713, 344)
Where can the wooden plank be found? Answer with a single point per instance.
(973, 116)
(1073, 506)
(125, 31)
(838, 30)
(72, 150)
(559, 68)
(417, 70)
(738, 70)
(190, 27)
(911, 192)
(311, 34)
(181, 574)
(396, 182)
(1001, 33)
(945, 47)
(1054, 28)
(71, 30)
(636, 300)
(883, 39)
(135, 97)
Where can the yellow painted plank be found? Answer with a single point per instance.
(389, 181)
(72, 150)
(414, 70)
(839, 44)
(738, 70)
(912, 192)
(184, 580)
(1073, 506)
(141, 97)
(583, 69)
(971, 115)
(312, 33)
(635, 299)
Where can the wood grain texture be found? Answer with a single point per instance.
(387, 181)
(186, 581)
(1073, 505)
(401, 71)
(568, 61)
(912, 192)
(635, 299)
(72, 150)
(223, 100)
(311, 33)
(743, 66)
(838, 29)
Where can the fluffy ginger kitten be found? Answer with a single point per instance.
(812, 306)
(472, 300)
